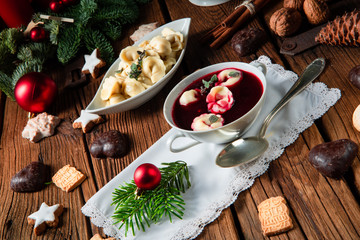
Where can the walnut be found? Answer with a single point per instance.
(297, 4)
(316, 11)
(285, 21)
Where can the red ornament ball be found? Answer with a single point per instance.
(38, 34)
(35, 92)
(147, 176)
(56, 6)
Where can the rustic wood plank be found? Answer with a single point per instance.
(320, 207)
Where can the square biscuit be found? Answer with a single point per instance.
(274, 216)
(68, 178)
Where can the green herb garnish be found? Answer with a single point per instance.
(119, 71)
(136, 69)
(208, 84)
(213, 119)
(234, 74)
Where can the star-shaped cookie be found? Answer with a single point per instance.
(93, 63)
(45, 216)
(87, 121)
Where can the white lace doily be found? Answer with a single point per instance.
(213, 188)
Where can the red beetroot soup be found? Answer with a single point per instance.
(246, 94)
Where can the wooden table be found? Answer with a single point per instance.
(321, 207)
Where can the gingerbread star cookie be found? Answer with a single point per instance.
(45, 217)
(87, 121)
(68, 178)
(274, 216)
(93, 63)
(98, 237)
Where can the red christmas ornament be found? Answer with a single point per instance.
(147, 176)
(38, 34)
(35, 92)
(16, 13)
(56, 6)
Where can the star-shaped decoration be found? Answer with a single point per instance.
(93, 63)
(87, 121)
(45, 216)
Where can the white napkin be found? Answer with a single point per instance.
(214, 188)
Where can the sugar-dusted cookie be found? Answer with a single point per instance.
(43, 125)
(274, 216)
(45, 217)
(87, 121)
(93, 63)
(98, 237)
(68, 178)
(356, 118)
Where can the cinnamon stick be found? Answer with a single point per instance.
(231, 30)
(225, 34)
(233, 16)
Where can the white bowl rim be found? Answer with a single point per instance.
(205, 69)
(185, 23)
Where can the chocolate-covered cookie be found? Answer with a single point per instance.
(31, 178)
(354, 76)
(247, 41)
(111, 144)
(333, 158)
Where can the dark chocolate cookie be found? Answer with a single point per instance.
(31, 178)
(111, 144)
(247, 41)
(334, 158)
(354, 76)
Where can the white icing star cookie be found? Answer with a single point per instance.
(93, 64)
(87, 121)
(46, 216)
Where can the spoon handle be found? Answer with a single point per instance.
(311, 72)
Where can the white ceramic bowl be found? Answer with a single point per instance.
(97, 105)
(207, 3)
(229, 131)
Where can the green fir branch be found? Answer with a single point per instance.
(112, 29)
(125, 13)
(24, 68)
(10, 37)
(96, 39)
(164, 201)
(7, 85)
(38, 52)
(69, 43)
(53, 27)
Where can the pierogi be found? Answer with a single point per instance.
(142, 66)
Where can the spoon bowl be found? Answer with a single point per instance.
(241, 151)
(247, 149)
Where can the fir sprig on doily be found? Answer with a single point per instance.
(134, 210)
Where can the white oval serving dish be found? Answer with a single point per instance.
(97, 105)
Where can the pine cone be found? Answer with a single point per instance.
(343, 31)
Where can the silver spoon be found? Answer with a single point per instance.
(247, 149)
